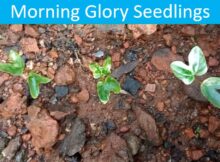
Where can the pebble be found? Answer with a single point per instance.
(61, 91)
(29, 45)
(30, 31)
(99, 54)
(139, 30)
(196, 154)
(130, 56)
(134, 143)
(12, 131)
(150, 87)
(16, 28)
(124, 129)
(26, 137)
(214, 124)
(83, 95)
(188, 30)
(65, 75)
(131, 85)
(74, 99)
(78, 39)
(3, 143)
(20, 156)
(11, 149)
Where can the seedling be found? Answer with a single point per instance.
(197, 67)
(106, 83)
(16, 65)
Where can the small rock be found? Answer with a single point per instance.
(196, 154)
(110, 126)
(78, 39)
(58, 115)
(131, 85)
(43, 128)
(13, 105)
(13, 146)
(203, 133)
(30, 31)
(116, 57)
(150, 87)
(75, 140)
(189, 133)
(61, 91)
(3, 77)
(131, 56)
(162, 59)
(213, 61)
(139, 30)
(188, 30)
(160, 106)
(148, 124)
(214, 124)
(114, 149)
(124, 129)
(3, 143)
(168, 39)
(16, 28)
(65, 75)
(99, 54)
(18, 88)
(12, 131)
(124, 69)
(83, 95)
(114, 28)
(53, 54)
(133, 143)
(29, 45)
(26, 137)
(74, 99)
(20, 156)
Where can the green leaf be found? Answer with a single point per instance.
(104, 88)
(112, 85)
(15, 66)
(102, 92)
(34, 81)
(210, 89)
(197, 61)
(101, 71)
(182, 72)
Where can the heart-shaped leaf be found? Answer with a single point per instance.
(197, 61)
(182, 72)
(104, 88)
(34, 81)
(210, 89)
(15, 66)
(101, 71)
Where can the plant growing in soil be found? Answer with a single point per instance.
(106, 83)
(197, 66)
(16, 66)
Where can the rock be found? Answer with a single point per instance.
(109, 126)
(83, 95)
(193, 90)
(12, 131)
(214, 124)
(3, 143)
(29, 45)
(213, 61)
(30, 31)
(75, 140)
(65, 75)
(11, 149)
(43, 128)
(168, 39)
(26, 137)
(139, 29)
(131, 85)
(188, 30)
(53, 54)
(99, 54)
(16, 28)
(160, 106)
(114, 149)
(61, 91)
(162, 59)
(189, 133)
(131, 56)
(74, 99)
(13, 105)
(116, 57)
(78, 39)
(124, 69)
(124, 129)
(196, 154)
(114, 28)
(58, 115)
(3, 77)
(20, 156)
(150, 87)
(134, 143)
(17, 88)
(148, 124)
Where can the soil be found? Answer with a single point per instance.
(154, 120)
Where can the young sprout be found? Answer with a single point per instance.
(198, 67)
(16, 65)
(106, 83)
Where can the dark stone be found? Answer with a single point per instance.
(131, 56)
(99, 54)
(75, 140)
(61, 91)
(20, 156)
(75, 158)
(124, 69)
(131, 85)
(109, 126)
(12, 147)
(3, 143)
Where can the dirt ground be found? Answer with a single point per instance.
(158, 120)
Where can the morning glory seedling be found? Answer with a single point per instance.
(16, 66)
(197, 66)
(106, 83)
